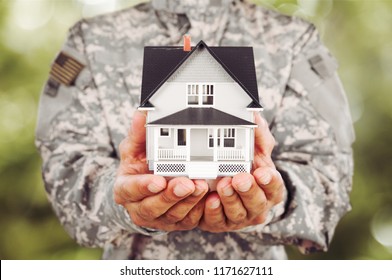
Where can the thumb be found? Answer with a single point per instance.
(134, 145)
(137, 133)
(264, 141)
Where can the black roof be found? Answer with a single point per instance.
(252, 105)
(161, 62)
(201, 116)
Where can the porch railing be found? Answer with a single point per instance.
(230, 154)
(172, 154)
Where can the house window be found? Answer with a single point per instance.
(208, 95)
(200, 95)
(211, 138)
(164, 132)
(181, 137)
(229, 137)
(193, 94)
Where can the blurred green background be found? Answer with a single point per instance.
(358, 33)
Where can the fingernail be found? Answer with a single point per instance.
(265, 178)
(198, 191)
(181, 190)
(154, 188)
(244, 186)
(228, 191)
(215, 204)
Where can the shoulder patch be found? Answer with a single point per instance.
(65, 69)
(324, 65)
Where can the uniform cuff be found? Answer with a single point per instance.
(118, 215)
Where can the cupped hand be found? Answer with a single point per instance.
(246, 199)
(151, 200)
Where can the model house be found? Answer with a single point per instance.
(200, 102)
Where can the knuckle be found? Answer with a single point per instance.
(146, 213)
(190, 221)
(239, 217)
(137, 220)
(119, 194)
(221, 224)
(167, 198)
(186, 225)
(278, 198)
(173, 217)
(236, 216)
(260, 219)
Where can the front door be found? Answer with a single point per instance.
(181, 137)
(200, 151)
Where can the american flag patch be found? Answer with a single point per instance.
(65, 69)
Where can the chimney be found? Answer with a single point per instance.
(187, 43)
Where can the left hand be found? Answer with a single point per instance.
(246, 199)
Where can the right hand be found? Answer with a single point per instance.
(151, 200)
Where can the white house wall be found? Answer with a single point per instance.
(163, 142)
(240, 138)
(232, 99)
(166, 142)
(201, 67)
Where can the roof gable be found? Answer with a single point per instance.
(160, 63)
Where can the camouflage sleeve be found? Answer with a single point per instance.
(79, 161)
(314, 133)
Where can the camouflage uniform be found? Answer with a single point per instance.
(80, 128)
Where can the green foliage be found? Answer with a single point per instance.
(358, 34)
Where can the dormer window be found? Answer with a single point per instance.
(200, 95)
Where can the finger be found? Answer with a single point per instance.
(264, 141)
(180, 210)
(155, 206)
(252, 196)
(214, 218)
(132, 188)
(193, 218)
(232, 205)
(270, 180)
(135, 143)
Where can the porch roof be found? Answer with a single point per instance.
(201, 116)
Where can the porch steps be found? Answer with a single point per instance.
(202, 170)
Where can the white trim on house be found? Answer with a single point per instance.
(201, 126)
(146, 108)
(255, 109)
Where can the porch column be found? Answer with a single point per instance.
(247, 141)
(188, 144)
(156, 134)
(215, 144)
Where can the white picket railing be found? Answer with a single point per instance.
(181, 154)
(172, 154)
(231, 154)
